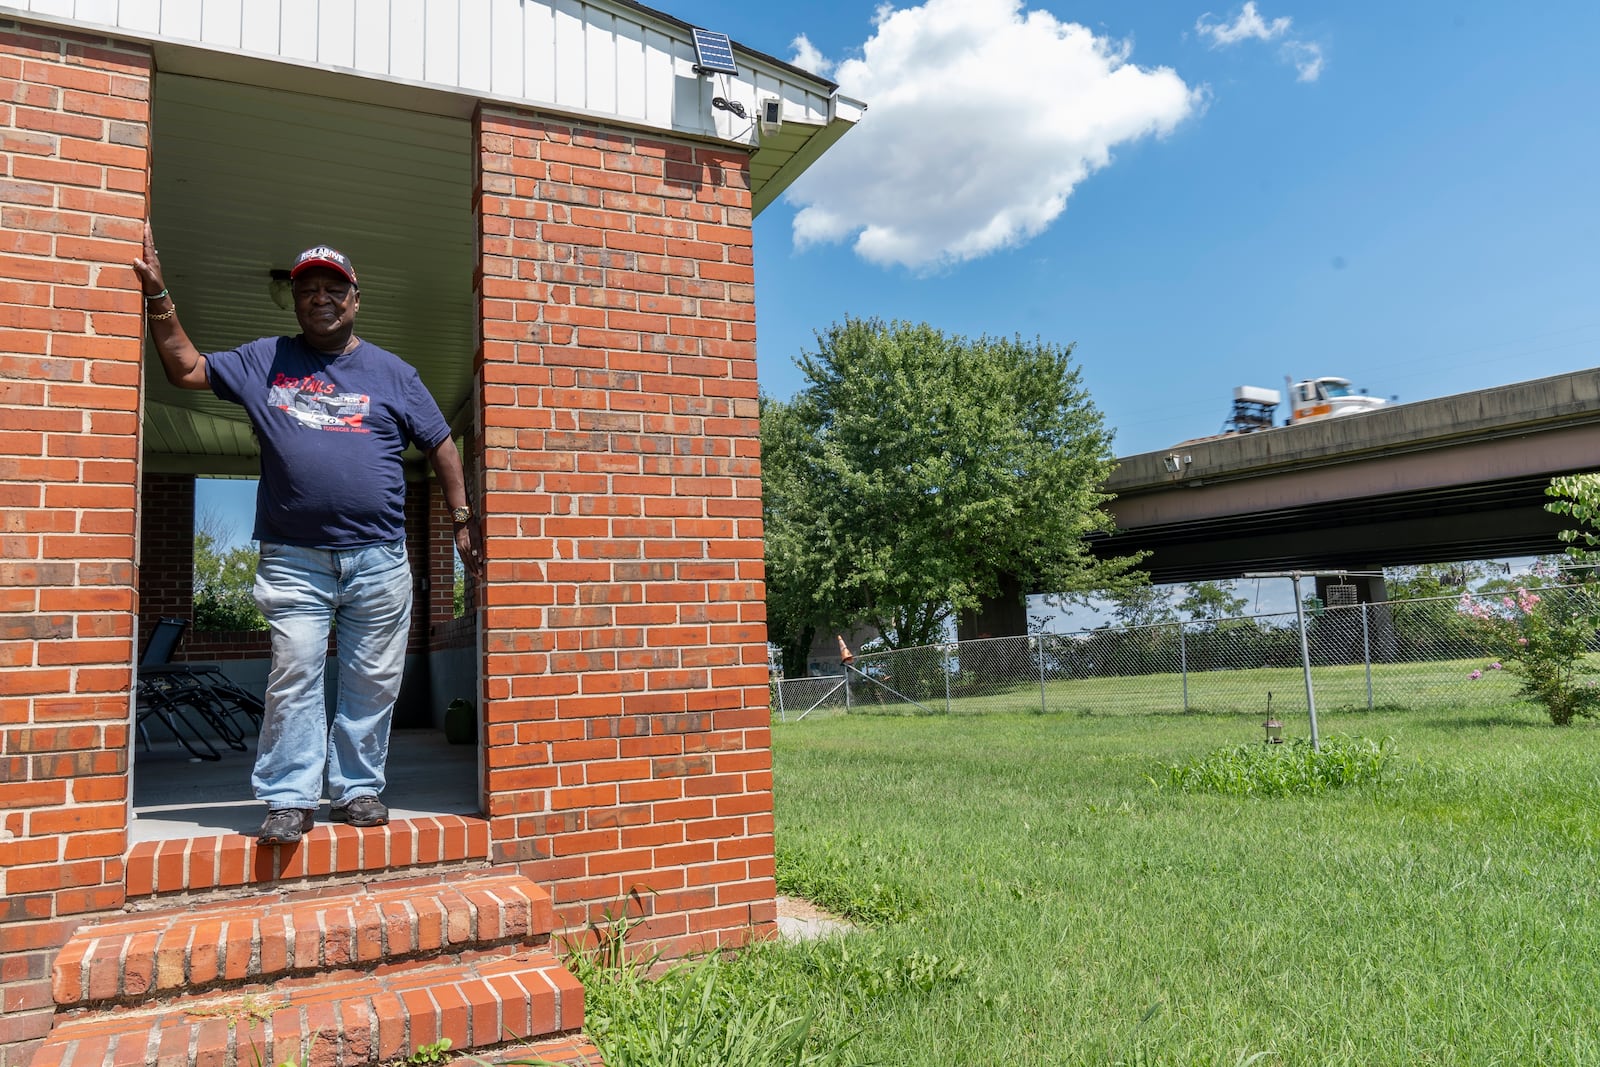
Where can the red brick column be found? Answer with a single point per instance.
(74, 133)
(624, 626)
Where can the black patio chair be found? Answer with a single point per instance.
(233, 698)
(163, 642)
(182, 696)
(157, 699)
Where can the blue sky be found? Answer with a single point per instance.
(1402, 194)
(1198, 196)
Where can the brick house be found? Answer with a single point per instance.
(550, 204)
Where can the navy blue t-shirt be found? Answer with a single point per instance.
(332, 430)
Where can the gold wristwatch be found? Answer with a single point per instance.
(461, 515)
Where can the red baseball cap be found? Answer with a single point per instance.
(323, 256)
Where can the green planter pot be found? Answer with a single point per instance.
(460, 723)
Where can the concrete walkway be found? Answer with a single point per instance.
(801, 920)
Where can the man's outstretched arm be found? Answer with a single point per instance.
(185, 367)
(446, 462)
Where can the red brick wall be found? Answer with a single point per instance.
(73, 173)
(166, 550)
(624, 629)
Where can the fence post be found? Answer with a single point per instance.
(1183, 665)
(1366, 652)
(1039, 645)
(944, 657)
(1305, 662)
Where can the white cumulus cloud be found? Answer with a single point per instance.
(807, 57)
(1248, 25)
(982, 118)
(1306, 57)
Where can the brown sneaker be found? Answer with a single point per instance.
(284, 826)
(362, 811)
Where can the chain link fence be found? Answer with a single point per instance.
(1395, 655)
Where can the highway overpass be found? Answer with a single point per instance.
(1457, 478)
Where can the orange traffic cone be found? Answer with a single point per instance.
(845, 655)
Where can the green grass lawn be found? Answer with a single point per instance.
(1036, 899)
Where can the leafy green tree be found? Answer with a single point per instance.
(223, 579)
(1578, 496)
(1211, 601)
(1546, 571)
(1142, 605)
(915, 470)
(1431, 580)
(798, 545)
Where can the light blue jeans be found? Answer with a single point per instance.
(300, 591)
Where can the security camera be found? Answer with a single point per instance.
(770, 115)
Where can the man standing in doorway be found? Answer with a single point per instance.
(333, 414)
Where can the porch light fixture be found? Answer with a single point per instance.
(280, 288)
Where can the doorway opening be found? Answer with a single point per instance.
(229, 215)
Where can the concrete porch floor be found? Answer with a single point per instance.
(176, 796)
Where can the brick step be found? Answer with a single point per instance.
(573, 1051)
(163, 869)
(339, 1019)
(266, 939)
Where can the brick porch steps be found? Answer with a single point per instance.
(353, 975)
(266, 938)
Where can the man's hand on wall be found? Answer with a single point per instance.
(469, 543)
(148, 267)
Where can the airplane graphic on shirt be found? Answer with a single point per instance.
(313, 403)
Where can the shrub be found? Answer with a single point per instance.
(1543, 638)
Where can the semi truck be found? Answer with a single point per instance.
(1310, 399)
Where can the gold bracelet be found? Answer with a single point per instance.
(165, 315)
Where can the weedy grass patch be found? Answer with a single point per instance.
(1281, 770)
(711, 1012)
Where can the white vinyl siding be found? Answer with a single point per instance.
(582, 56)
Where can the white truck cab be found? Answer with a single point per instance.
(1323, 398)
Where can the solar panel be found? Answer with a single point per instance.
(714, 51)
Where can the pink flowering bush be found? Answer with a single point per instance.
(1543, 640)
